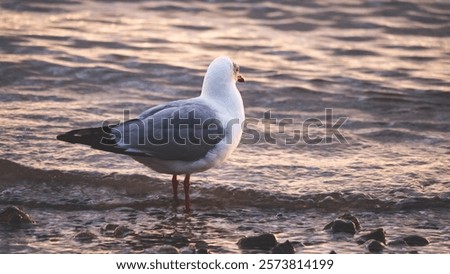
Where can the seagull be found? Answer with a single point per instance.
(179, 137)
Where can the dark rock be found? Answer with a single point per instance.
(164, 249)
(202, 251)
(284, 248)
(297, 243)
(111, 227)
(328, 226)
(265, 241)
(398, 242)
(346, 223)
(350, 217)
(375, 246)
(122, 231)
(332, 252)
(85, 237)
(14, 216)
(201, 244)
(201, 247)
(108, 230)
(378, 234)
(344, 226)
(413, 252)
(414, 240)
(190, 249)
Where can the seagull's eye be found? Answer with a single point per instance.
(235, 68)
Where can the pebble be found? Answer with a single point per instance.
(110, 227)
(85, 237)
(201, 247)
(198, 248)
(190, 249)
(344, 226)
(283, 248)
(122, 231)
(350, 217)
(163, 249)
(265, 241)
(202, 251)
(12, 215)
(398, 242)
(201, 244)
(375, 246)
(415, 240)
(378, 234)
(346, 223)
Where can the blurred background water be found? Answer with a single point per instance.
(383, 64)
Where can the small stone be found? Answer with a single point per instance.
(110, 227)
(190, 249)
(332, 252)
(201, 247)
(12, 215)
(350, 217)
(201, 244)
(265, 241)
(202, 251)
(85, 236)
(415, 240)
(328, 226)
(378, 234)
(163, 249)
(344, 226)
(398, 242)
(122, 231)
(284, 248)
(375, 246)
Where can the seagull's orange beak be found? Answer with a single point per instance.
(240, 78)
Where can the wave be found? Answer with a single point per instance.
(395, 135)
(61, 190)
(12, 172)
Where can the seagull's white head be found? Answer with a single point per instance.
(226, 68)
(221, 73)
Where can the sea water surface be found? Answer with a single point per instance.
(385, 65)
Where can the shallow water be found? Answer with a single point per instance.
(384, 65)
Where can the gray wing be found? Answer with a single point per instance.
(181, 130)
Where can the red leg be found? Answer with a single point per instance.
(175, 186)
(186, 184)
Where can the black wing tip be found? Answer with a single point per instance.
(97, 138)
(70, 136)
(65, 137)
(87, 136)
